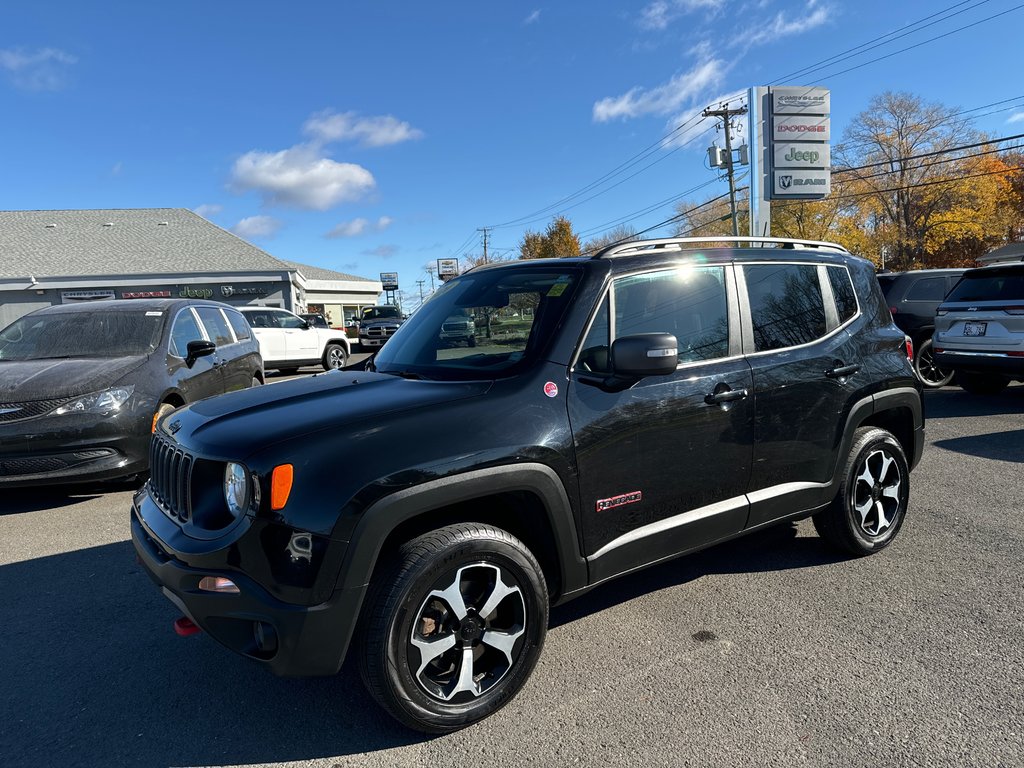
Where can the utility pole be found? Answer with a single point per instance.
(420, 284)
(430, 271)
(726, 115)
(484, 230)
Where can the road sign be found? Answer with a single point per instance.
(389, 281)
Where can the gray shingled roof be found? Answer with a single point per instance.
(141, 241)
(319, 273)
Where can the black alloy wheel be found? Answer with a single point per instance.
(930, 374)
(454, 627)
(871, 505)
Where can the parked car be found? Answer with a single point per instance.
(459, 328)
(979, 330)
(288, 342)
(81, 385)
(378, 324)
(913, 298)
(667, 396)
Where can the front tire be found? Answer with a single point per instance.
(453, 628)
(871, 504)
(927, 370)
(335, 357)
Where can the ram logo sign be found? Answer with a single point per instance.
(802, 183)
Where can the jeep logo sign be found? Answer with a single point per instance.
(789, 155)
(800, 128)
(802, 183)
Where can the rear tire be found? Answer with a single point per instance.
(453, 627)
(871, 504)
(926, 369)
(982, 383)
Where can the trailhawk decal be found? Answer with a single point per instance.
(619, 501)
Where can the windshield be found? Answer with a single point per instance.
(81, 334)
(512, 310)
(996, 286)
(377, 313)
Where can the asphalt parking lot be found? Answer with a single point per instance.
(770, 650)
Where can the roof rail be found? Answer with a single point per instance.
(675, 244)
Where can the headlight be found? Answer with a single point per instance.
(106, 402)
(239, 489)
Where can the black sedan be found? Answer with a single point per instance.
(81, 385)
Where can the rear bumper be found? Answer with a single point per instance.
(307, 640)
(981, 362)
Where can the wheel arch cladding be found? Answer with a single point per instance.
(526, 500)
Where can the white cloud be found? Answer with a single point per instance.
(301, 177)
(379, 131)
(382, 251)
(661, 13)
(41, 70)
(532, 17)
(786, 24)
(662, 99)
(257, 226)
(206, 210)
(358, 227)
(1017, 117)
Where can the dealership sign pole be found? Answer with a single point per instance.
(792, 158)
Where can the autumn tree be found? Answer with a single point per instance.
(712, 218)
(557, 241)
(902, 158)
(620, 234)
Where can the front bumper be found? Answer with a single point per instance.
(73, 448)
(365, 341)
(307, 640)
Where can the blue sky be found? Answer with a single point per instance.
(378, 137)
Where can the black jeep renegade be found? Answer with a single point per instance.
(615, 412)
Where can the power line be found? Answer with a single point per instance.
(643, 212)
(867, 46)
(929, 154)
(939, 162)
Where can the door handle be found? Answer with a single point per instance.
(841, 371)
(724, 396)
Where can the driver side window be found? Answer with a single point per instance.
(185, 329)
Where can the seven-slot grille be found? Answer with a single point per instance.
(170, 470)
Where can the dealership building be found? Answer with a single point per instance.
(59, 257)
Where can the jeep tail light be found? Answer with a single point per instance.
(281, 485)
(910, 348)
(893, 311)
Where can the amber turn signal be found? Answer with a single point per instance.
(281, 485)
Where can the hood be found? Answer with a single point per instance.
(241, 423)
(25, 380)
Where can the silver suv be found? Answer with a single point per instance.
(979, 329)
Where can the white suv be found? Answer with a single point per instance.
(979, 329)
(288, 342)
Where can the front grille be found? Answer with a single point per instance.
(27, 410)
(379, 331)
(170, 475)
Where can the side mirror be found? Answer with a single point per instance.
(199, 348)
(645, 354)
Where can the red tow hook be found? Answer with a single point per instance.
(185, 627)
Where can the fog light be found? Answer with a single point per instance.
(218, 584)
(265, 636)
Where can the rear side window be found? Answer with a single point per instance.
(261, 319)
(996, 286)
(185, 329)
(888, 282)
(288, 320)
(927, 289)
(238, 324)
(216, 325)
(786, 306)
(842, 290)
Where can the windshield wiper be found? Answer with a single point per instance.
(404, 374)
